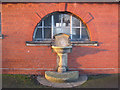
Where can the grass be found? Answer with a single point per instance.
(20, 81)
(29, 81)
(101, 81)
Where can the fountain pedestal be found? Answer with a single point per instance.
(62, 62)
(62, 54)
(62, 78)
(62, 47)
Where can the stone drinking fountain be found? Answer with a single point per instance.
(62, 47)
(62, 77)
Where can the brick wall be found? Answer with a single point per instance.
(18, 24)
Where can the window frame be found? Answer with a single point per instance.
(52, 27)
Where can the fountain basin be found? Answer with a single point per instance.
(59, 49)
(61, 77)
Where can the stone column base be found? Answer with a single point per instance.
(61, 77)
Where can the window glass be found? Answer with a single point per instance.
(57, 20)
(47, 21)
(75, 22)
(84, 34)
(66, 30)
(62, 30)
(39, 24)
(76, 33)
(66, 20)
(39, 33)
(83, 25)
(47, 33)
(57, 30)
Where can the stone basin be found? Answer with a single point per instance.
(61, 77)
(58, 49)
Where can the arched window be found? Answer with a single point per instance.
(61, 22)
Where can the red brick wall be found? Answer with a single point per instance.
(18, 24)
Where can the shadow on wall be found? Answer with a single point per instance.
(78, 52)
(82, 51)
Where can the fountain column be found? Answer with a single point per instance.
(62, 62)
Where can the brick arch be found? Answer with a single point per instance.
(85, 16)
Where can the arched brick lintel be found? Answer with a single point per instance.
(86, 17)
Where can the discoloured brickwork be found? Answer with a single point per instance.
(18, 24)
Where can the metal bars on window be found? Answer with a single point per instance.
(52, 28)
(71, 26)
(80, 29)
(42, 29)
(0, 22)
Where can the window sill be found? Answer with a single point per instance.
(38, 43)
(74, 43)
(1, 36)
(84, 43)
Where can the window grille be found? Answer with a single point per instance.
(61, 22)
